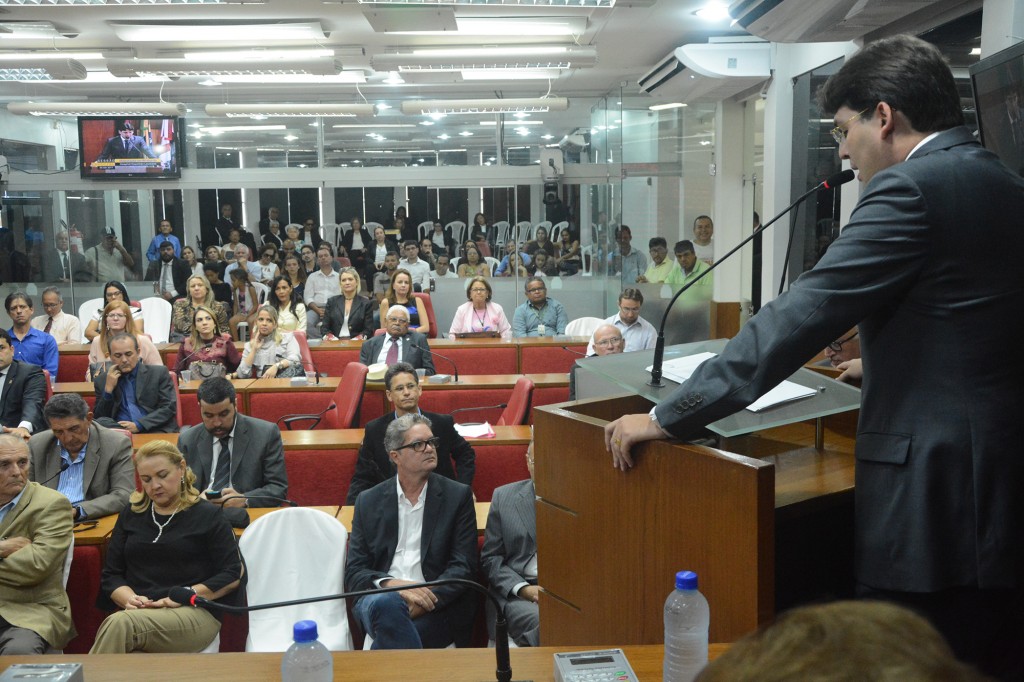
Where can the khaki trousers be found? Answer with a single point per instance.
(180, 630)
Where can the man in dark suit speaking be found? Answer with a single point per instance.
(126, 145)
(398, 344)
(415, 526)
(929, 269)
(232, 454)
(373, 465)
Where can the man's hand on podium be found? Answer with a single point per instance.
(853, 370)
(622, 434)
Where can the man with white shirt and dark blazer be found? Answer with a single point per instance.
(398, 344)
(99, 475)
(254, 464)
(22, 393)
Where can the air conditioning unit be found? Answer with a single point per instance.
(709, 71)
(799, 21)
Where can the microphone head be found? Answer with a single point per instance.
(840, 178)
(182, 595)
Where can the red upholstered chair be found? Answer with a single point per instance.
(319, 477)
(518, 409)
(343, 411)
(49, 384)
(428, 308)
(83, 587)
(307, 357)
(177, 400)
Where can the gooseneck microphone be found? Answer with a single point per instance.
(184, 360)
(659, 348)
(574, 351)
(64, 466)
(280, 500)
(503, 672)
(452, 362)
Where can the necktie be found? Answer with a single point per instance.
(222, 477)
(49, 325)
(126, 145)
(392, 357)
(64, 263)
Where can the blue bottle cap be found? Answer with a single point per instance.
(305, 631)
(685, 580)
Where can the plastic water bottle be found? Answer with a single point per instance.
(307, 660)
(686, 630)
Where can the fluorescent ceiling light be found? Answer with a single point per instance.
(130, 2)
(516, 123)
(182, 67)
(46, 69)
(491, 3)
(97, 108)
(343, 78)
(485, 106)
(250, 110)
(217, 31)
(217, 130)
(671, 105)
(373, 125)
(242, 55)
(33, 55)
(506, 26)
(510, 74)
(107, 77)
(713, 11)
(443, 60)
(494, 51)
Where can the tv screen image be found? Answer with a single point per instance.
(121, 147)
(998, 83)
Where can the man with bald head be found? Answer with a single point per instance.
(607, 340)
(398, 344)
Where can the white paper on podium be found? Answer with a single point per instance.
(475, 430)
(680, 369)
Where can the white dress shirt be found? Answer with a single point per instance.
(65, 328)
(320, 287)
(420, 272)
(641, 335)
(407, 563)
(388, 340)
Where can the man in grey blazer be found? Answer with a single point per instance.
(98, 476)
(132, 395)
(254, 465)
(412, 346)
(509, 558)
(929, 269)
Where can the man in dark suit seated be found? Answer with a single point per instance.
(509, 558)
(22, 393)
(398, 344)
(171, 274)
(62, 264)
(99, 476)
(232, 454)
(373, 465)
(415, 526)
(134, 396)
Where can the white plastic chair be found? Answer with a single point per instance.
(262, 293)
(555, 231)
(295, 553)
(156, 313)
(546, 224)
(333, 232)
(493, 262)
(424, 229)
(583, 326)
(523, 231)
(458, 230)
(85, 312)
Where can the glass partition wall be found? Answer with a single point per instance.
(623, 165)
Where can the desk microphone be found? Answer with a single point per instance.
(64, 466)
(659, 348)
(281, 500)
(454, 366)
(181, 363)
(503, 672)
(574, 351)
(474, 409)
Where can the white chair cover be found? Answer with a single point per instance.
(583, 326)
(85, 312)
(295, 553)
(156, 313)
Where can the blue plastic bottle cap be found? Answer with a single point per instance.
(305, 630)
(685, 580)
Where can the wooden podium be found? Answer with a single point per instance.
(610, 542)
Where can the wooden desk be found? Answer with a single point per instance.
(87, 534)
(350, 439)
(451, 665)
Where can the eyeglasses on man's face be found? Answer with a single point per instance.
(421, 445)
(837, 346)
(536, 290)
(612, 341)
(840, 131)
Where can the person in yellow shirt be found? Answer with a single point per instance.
(690, 269)
(660, 267)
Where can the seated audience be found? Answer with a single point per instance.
(235, 239)
(357, 243)
(188, 255)
(703, 239)
(382, 279)
(200, 292)
(516, 267)
(242, 262)
(267, 267)
(168, 537)
(291, 311)
(54, 321)
(320, 286)
(478, 233)
(309, 260)
(170, 274)
(35, 615)
(400, 294)
(310, 233)
(209, 350)
(456, 457)
(503, 269)
(113, 291)
(538, 315)
(350, 315)
(117, 319)
(442, 267)
(844, 354)
(567, 253)
(292, 270)
(134, 396)
(441, 237)
(629, 263)
(22, 393)
(690, 268)
(540, 242)
(98, 477)
(638, 332)
(660, 267)
(418, 269)
(377, 251)
(379, 556)
(244, 302)
(232, 454)
(472, 263)
(607, 340)
(845, 641)
(508, 558)
(212, 253)
(30, 344)
(544, 265)
(109, 259)
(427, 252)
(479, 313)
(270, 352)
(163, 236)
(221, 289)
(398, 343)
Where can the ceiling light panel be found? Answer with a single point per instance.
(129, 2)
(42, 69)
(506, 26)
(183, 67)
(485, 106)
(575, 4)
(265, 110)
(97, 108)
(217, 31)
(498, 58)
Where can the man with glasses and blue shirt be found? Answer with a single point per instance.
(538, 315)
(455, 457)
(98, 476)
(414, 527)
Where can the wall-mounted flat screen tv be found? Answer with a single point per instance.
(130, 148)
(998, 83)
